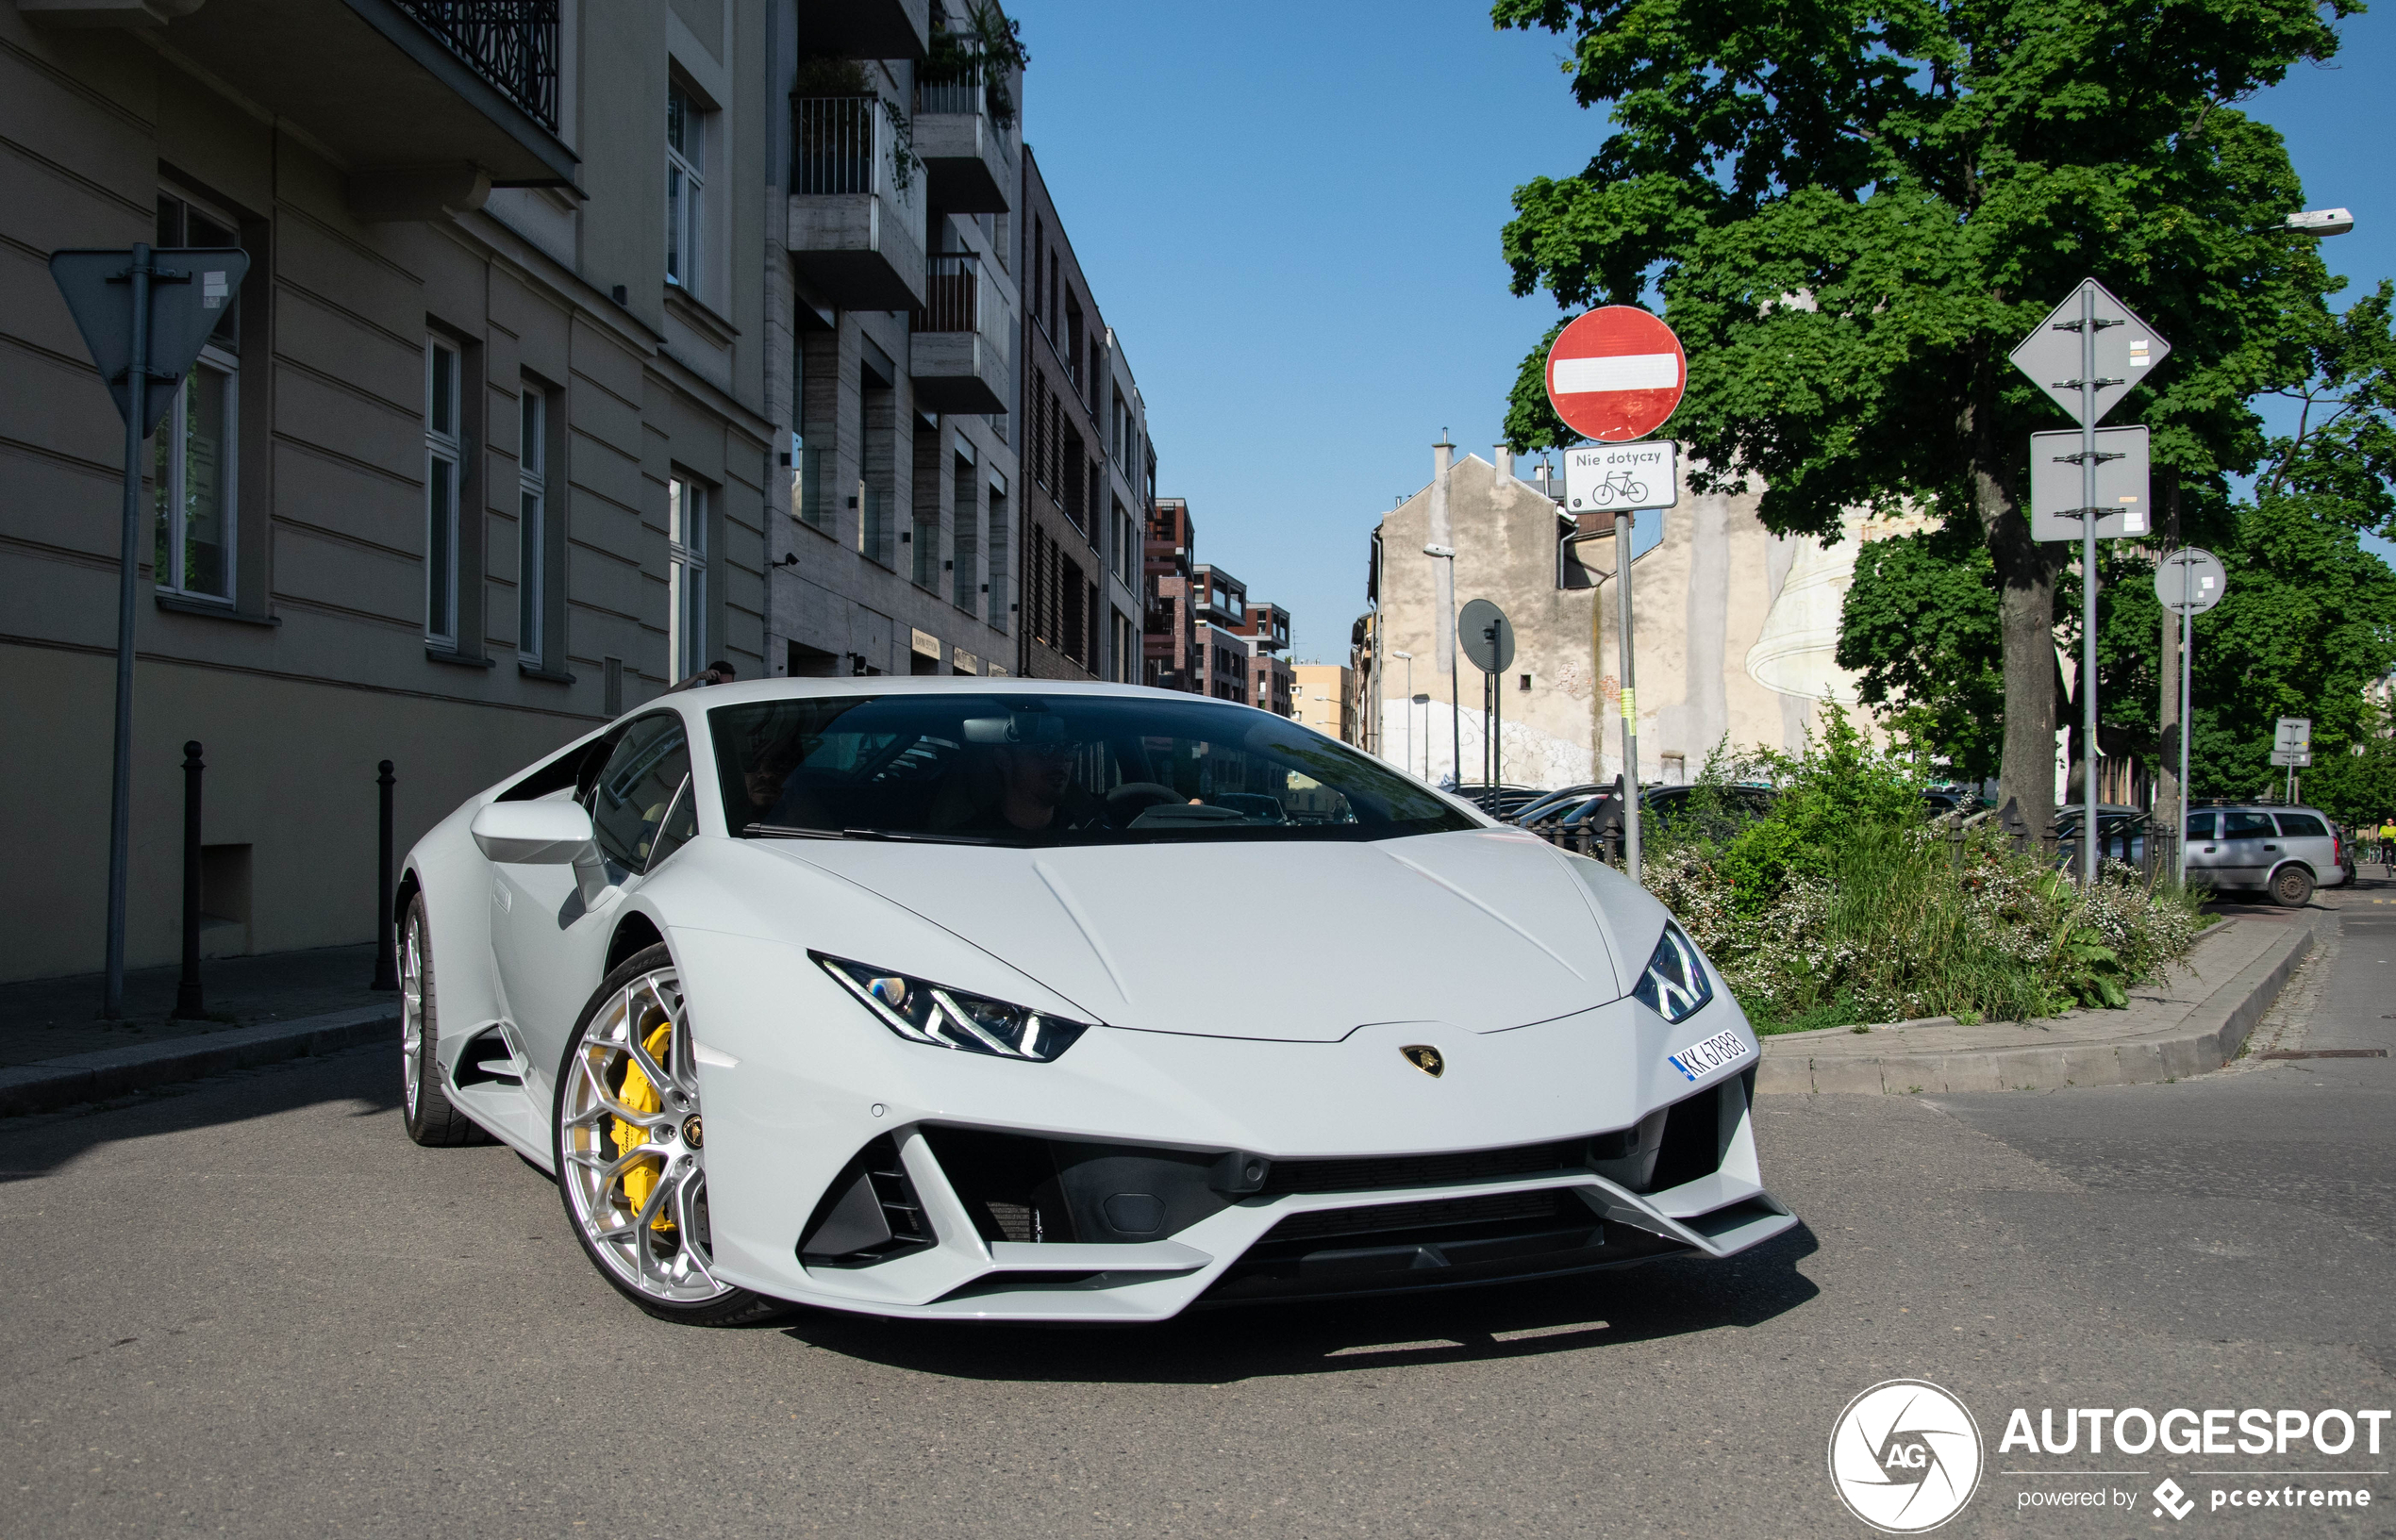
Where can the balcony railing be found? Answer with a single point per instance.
(963, 95)
(952, 291)
(834, 142)
(511, 43)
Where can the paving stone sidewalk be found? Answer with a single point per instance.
(52, 1018)
(2189, 1022)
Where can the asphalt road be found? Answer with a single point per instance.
(255, 1308)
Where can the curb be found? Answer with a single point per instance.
(116, 1071)
(2207, 1038)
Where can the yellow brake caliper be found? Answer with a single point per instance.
(637, 1094)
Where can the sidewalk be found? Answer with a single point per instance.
(2189, 1022)
(55, 1051)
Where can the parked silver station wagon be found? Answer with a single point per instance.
(2285, 851)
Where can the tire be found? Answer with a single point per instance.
(642, 1220)
(2291, 887)
(424, 1106)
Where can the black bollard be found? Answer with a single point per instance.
(386, 966)
(187, 991)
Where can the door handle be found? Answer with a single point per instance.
(2271, 847)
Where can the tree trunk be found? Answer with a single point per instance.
(2025, 611)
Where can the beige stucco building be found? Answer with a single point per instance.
(1323, 695)
(1734, 632)
(478, 457)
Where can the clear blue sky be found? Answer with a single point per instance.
(1289, 214)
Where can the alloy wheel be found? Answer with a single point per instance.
(630, 1143)
(412, 1010)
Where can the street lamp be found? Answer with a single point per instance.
(1408, 659)
(1455, 719)
(2321, 222)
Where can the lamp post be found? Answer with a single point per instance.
(1408, 659)
(1455, 719)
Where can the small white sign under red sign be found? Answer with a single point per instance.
(1616, 374)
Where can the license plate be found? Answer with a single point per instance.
(1703, 1059)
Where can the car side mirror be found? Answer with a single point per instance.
(535, 834)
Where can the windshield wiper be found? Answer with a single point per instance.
(785, 831)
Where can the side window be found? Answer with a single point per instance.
(2302, 825)
(2200, 825)
(635, 790)
(681, 825)
(2248, 826)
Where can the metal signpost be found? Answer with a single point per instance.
(2187, 582)
(144, 315)
(2088, 374)
(2292, 746)
(1488, 639)
(1615, 375)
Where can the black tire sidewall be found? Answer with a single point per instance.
(738, 1306)
(2298, 886)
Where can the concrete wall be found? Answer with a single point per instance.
(1702, 601)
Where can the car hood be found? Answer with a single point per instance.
(1300, 942)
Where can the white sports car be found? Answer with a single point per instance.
(1024, 1001)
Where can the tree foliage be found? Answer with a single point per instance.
(1852, 209)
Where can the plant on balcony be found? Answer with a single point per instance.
(987, 47)
(827, 75)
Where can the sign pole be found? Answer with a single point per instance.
(1623, 522)
(137, 383)
(2188, 634)
(2088, 584)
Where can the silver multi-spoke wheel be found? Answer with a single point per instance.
(411, 1009)
(630, 1145)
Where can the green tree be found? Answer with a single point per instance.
(1852, 209)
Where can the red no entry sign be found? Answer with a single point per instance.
(1616, 374)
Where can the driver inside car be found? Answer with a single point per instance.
(1019, 776)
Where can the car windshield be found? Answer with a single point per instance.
(1052, 770)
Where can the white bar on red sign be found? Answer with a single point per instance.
(1621, 372)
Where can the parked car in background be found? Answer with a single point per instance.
(1569, 798)
(2286, 851)
(2121, 834)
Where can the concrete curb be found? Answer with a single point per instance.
(117, 1072)
(2206, 1036)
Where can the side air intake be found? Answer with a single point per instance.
(870, 1214)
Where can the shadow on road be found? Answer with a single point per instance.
(37, 1145)
(1513, 1320)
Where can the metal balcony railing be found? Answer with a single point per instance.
(511, 43)
(836, 143)
(952, 294)
(963, 95)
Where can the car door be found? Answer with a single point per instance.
(2304, 837)
(2205, 847)
(549, 940)
(2250, 846)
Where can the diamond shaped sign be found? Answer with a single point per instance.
(2127, 350)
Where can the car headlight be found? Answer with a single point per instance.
(938, 1016)
(1675, 985)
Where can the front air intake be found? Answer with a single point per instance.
(870, 1214)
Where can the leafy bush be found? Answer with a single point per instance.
(1843, 904)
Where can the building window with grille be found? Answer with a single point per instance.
(686, 577)
(193, 458)
(445, 454)
(532, 524)
(685, 187)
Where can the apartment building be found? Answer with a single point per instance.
(1088, 466)
(892, 293)
(1323, 695)
(478, 457)
(1219, 610)
(1169, 640)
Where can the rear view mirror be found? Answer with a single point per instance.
(543, 833)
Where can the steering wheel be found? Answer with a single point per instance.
(1133, 798)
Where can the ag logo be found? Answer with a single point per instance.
(1905, 1457)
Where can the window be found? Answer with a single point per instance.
(532, 523)
(2245, 826)
(685, 185)
(686, 577)
(637, 788)
(194, 462)
(2200, 825)
(445, 449)
(2300, 826)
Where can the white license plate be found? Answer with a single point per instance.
(1703, 1059)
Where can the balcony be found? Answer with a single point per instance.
(439, 97)
(868, 28)
(962, 149)
(856, 235)
(957, 354)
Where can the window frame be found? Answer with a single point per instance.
(686, 576)
(685, 187)
(170, 481)
(532, 524)
(444, 465)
